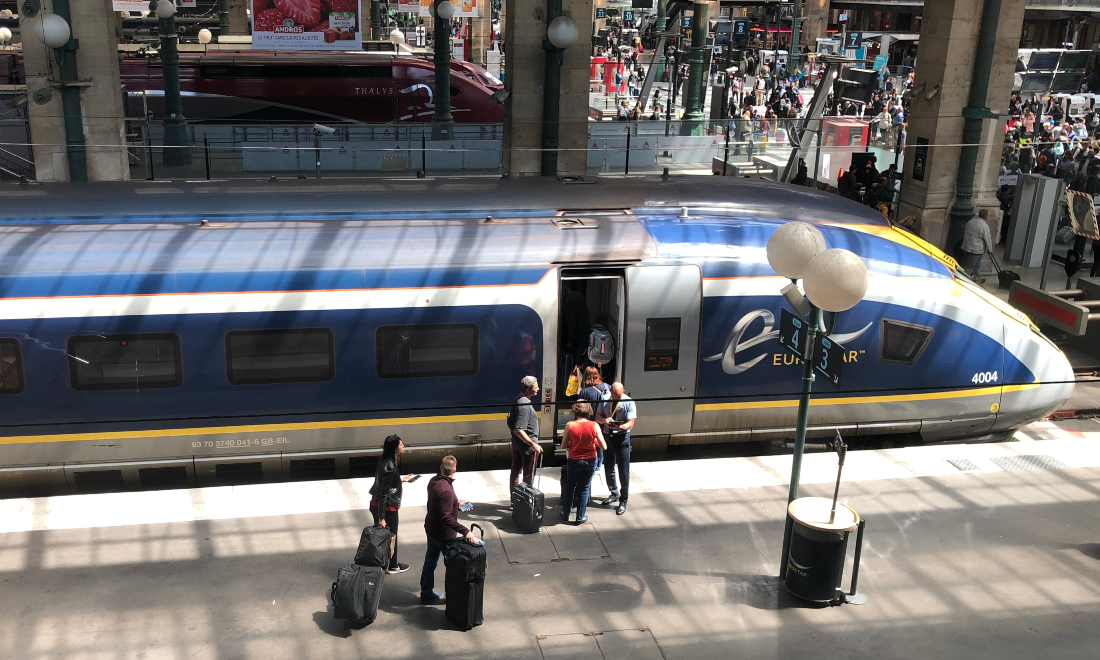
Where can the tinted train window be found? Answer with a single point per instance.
(297, 355)
(902, 343)
(426, 351)
(295, 71)
(11, 367)
(125, 362)
(662, 344)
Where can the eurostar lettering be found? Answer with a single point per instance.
(736, 343)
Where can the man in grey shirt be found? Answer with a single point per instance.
(523, 425)
(976, 241)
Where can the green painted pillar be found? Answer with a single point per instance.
(176, 142)
(662, 22)
(443, 124)
(962, 210)
(794, 60)
(697, 75)
(223, 19)
(70, 100)
(376, 23)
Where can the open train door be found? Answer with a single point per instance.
(661, 347)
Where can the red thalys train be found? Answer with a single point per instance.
(360, 86)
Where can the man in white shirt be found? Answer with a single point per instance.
(976, 241)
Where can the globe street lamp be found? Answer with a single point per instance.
(834, 281)
(561, 33)
(443, 124)
(53, 30)
(204, 38)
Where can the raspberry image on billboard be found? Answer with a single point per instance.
(306, 25)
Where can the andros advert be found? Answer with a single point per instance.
(306, 25)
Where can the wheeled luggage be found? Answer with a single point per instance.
(1005, 278)
(375, 547)
(465, 582)
(356, 592)
(528, 507)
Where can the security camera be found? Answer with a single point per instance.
(323, 130)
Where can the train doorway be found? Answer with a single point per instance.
(589, 298)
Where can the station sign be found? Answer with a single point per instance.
(601, 12)
(853, 40)
(303, 25)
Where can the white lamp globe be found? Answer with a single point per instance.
(792, 247)
(52, 30)
(5, 13)
(562, 32)
(166, 9)
(5, 35)
(397, 36)
(444, 9)
(205, 36)
(835, 280)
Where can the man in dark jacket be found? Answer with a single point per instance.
(441, 525)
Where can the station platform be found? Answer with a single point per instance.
(971, 551)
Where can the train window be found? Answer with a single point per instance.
(902, 343)
(298, 355)
(662, 344)
(125, 362)
(11, 367)
(426, 351)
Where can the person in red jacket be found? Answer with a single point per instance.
(441, 525)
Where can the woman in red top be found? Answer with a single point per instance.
(582, 436)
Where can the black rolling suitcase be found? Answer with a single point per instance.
(528, 506)
(465, 582)
(1005, 278)
(356, 592)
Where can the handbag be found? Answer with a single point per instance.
(574, 384)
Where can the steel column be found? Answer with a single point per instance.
(693, 95)
(177, 146)
(443, 124)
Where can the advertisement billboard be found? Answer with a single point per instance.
(463, 8)
(306, 25)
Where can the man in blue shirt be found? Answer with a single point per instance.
(617, 415)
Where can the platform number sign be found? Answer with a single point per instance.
(829, 360)
(628, 15)
(792, 333)
(687, 22)
(601, 12)
(853, 40)
(740, 33)
(827, 355)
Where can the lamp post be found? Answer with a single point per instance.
(204, 38)
(834, 281)
(443, 124)
(693, 95)
(53, 30)
(561, 33)
(177, 146)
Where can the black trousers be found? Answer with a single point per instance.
(617, 455)
(391, 524)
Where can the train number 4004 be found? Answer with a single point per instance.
(984, 377)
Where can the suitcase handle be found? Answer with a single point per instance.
(473, 525)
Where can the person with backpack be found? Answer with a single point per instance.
(617, 416)
(582, 440)
(386, 494)
(523, 427)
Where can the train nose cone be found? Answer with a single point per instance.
(1053, 378)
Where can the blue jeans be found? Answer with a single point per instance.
(431, 560)
(580, 483)
(618, 455)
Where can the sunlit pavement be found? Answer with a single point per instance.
(972, 551)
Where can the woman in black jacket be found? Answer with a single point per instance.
(386, 494)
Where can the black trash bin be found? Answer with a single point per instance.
(816, 558)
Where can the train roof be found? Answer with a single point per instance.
(150, 238)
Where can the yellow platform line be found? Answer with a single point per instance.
(849, 400)
(252, 428)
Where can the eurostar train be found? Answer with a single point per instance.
(284, 336)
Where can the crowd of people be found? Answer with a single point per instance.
(1041, 138)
